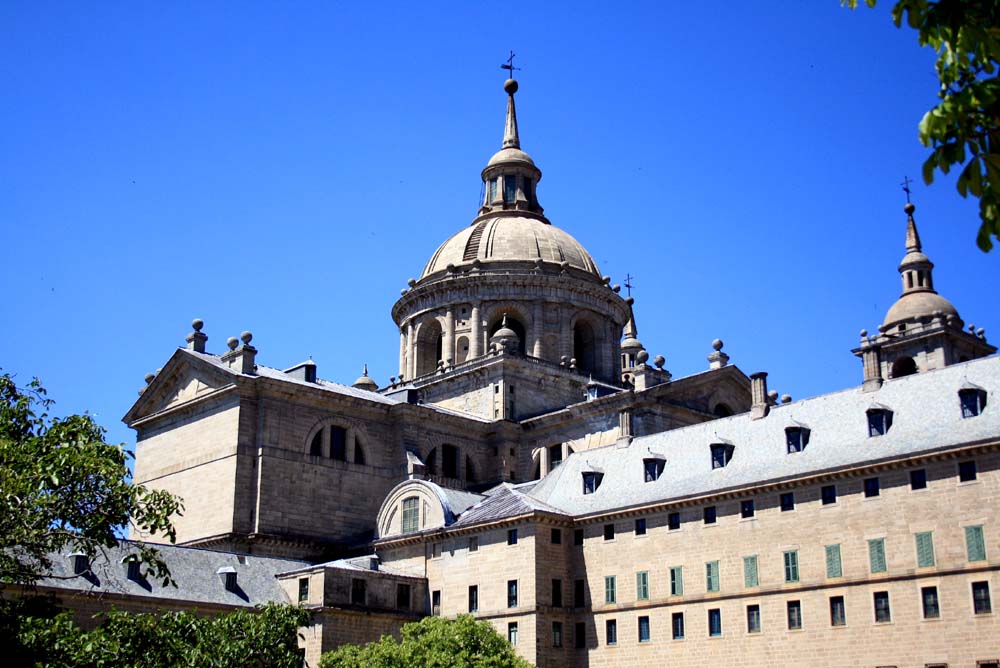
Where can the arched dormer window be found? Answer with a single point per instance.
(972, 400)
(879, 420)
(796, 438)
(411, 514)
(722, 454)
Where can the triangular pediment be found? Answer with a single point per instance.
(184, 378)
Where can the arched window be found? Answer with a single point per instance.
(514, 324)
(904, 366)
(429, 347)
(722, 410)
(584, 347)
(411, 514)
(461, 349)
(316, 447)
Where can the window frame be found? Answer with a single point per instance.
(512, 594)
(918, 479)
(838, 611)
(883, 607)
(712, 576)
(930, 603)
(610, 589)
(877, 562)
(643, 629)
(473, 599)
(786, 501)
(828, 495)
(411, 515)
(753, 618)
(751, 572)
(968, 471)
(748, 509)
(512, 536)
(872, 487)
(791, 562)
(642, 586)
(676, 580)
(611, 632)
(710, 515)
(793, 614)
(983, 604)
(677, 626)
(715, 623)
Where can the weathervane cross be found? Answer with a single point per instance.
(509, 65)
(906, 187)
(628, 283)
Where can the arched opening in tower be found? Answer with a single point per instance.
(514, 324)
(429, 347)
(585, 347)
(904, 366)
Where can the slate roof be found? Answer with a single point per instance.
(504, 500)
(927, 417)
(195, 571)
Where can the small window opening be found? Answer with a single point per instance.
(722, 454)
(303, 590)
(509, 189)
(879, 421)
(904, 366)
(449, 461)
(973, 401)
(338, 443)
(796, 439)
(359, 590)
(81, 564)
(591, 481)
(652, 469)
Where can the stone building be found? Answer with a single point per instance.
(528, 465)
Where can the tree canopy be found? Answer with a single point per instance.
(433, 642)
(964, 128)
(62, 487)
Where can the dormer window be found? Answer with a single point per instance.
(591, 481)
(722, 453)
(228, 576)
(796, 438)
(132, 569)
(80, 563)
(879, 421)
(973, 401)
(652, 469)
(411, 515)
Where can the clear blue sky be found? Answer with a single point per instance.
(286, 167)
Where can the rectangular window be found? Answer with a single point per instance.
(834, 566)
(710, 515)
(640, 526)
(643, 629)
(879, 422)
(512, 536)
(676, 580)
(403, 596)
(972, 400)
(918, 479)
(674, 521)
(715, 622)
(720, 455)
(589, 482)
(509, 189)
(557, 634)
(473, 543)
(436, 602)
(747, 508)
(556, 593)
(493, 189)
(794, 615)
(556, 537)
(925, 549)
(795, 440)
(652, 468)
(411, 515)
(981, 598)
(338, 443)
(882, 613)
(609, 532)
(449, 461)
(609, 589)
(838, 614)
(642, 586)
(975, 545)
(578, 537)
(474, 598)
(677, 625)
(750, 571)
(712, 576)
(753, 619)
(929, 599)
(967, 471)
(358, 591)
(512, 633)
(579, 586)
(511, 593)
(876, 555)
(828, 494)
(435, 550)
(787, 501)
(872, 487)
(611, 632)
(791, 566)
(303, 587)
(580, 635)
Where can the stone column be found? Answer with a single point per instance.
(448, 347)
(543, 461)
(476, 338)
(402, 350)
(870, 358)
(408, 371)
(758, 393)
(538, 329)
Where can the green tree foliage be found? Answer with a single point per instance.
(63, 488)
(964, 128)
(433, 642)
(264, 638)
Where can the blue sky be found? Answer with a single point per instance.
(286, 167)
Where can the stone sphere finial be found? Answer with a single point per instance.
(980, 332)
(606, 280)
(659, 361)
(616, 288)
(786, 398)
(864, 333)
(197, 324)
(232, 342)
(630, 300)
(246, 337)
(642, 356)
(510, 85)
(909, 208)
(717, 345)
(772, 395)
(403, 292)
(149, 378)
(411, 282)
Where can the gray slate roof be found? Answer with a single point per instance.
(927, 417)
(195, 571)
(504, 500)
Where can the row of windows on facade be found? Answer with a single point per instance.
(337, 438)
(930, 605)
(509, 188)
(972, 401)
(359, 593)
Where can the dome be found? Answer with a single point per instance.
(508, 155)
(511, 238)
(915, 305)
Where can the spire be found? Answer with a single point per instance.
(912, 238)
(915, 268)
(510, 136)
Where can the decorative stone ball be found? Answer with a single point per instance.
(232, 342)
(659, 361)
(980, 332)
(450, 268)
(411, 282)
(149, 378)
(972, 329)
(607, 280)
(864, 333)
(616, 288)
(909, 208)
(510, 85)
(403, 292)
(246, 337)
(630, 300)
(772, 395)
(564, 359)
(717, 345)
(786, 398)
(642, 356)
(197, 323)
(572, 362)
(476, 263)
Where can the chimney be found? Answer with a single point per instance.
(871, 361)
(196, 340)
(758, 394)
(624, 428)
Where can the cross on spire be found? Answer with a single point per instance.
(628, 283)
(509, 65)
(906, 187)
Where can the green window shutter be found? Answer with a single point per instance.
(677, 580)
(876, 555)
(834, 568)
(750, 571)
(712, 576)
(975, 545)
(791, 566)
(925, 549)
(609, 589)
(642, 586)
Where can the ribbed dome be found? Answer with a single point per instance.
(918, 305)
(510, 238)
